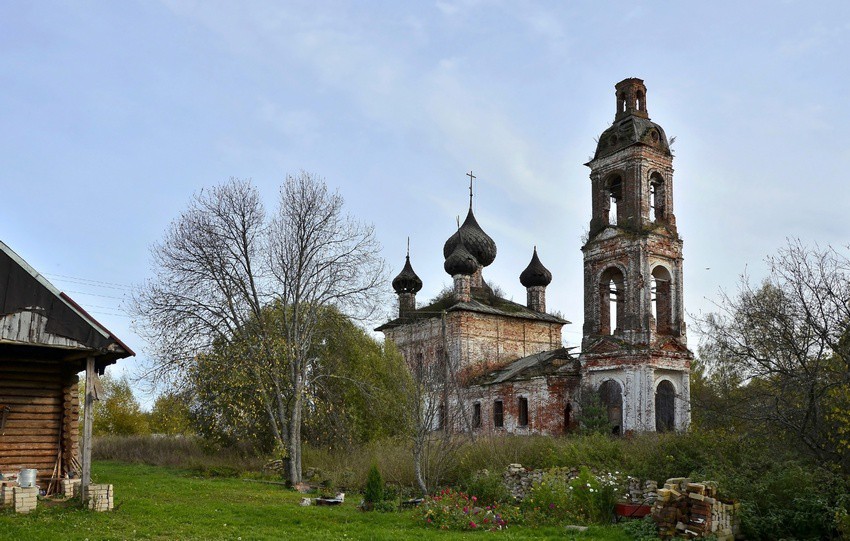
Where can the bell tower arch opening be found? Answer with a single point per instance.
(611, 296)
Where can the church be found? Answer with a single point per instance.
(492, 365)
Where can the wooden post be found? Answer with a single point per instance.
(88, 419)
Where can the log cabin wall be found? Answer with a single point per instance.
(42, 421)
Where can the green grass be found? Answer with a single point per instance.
(169, 504)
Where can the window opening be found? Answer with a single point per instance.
(611, 397)
(498, 414)
(476, 415)
(523, 411)
(665, 407)
(568, 413)
(661, 300)
(612, 294)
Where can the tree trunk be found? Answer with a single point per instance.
(294, 443)
(417, 464)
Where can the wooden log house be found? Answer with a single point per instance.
(46, 339)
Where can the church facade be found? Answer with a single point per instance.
(492, 365)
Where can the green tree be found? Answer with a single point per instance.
(778, 351)
(118, 412)
(171, 415)
(354, 389)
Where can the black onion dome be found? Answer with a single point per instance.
(460, 261)
(535, 274)
(478, 243)
(407, 281)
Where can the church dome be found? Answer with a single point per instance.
(407, 281)
(535, 274)
(478, 243)
(460, 261)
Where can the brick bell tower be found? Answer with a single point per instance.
(634, 349)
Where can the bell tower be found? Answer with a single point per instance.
(634, 348)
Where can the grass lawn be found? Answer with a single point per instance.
(162, 503)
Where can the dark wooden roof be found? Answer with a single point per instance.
(35, 315)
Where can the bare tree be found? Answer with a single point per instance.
(222, 262)
(785, 342)
(319, 257)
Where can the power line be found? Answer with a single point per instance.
(88, 281)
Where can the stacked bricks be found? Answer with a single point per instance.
(71, 487)
(6, 492)
(693, 510)
(24, 499)
(642, 493)
(99, 497)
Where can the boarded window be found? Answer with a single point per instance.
(665, 407)
(476, 415)
(498, 414)
(523, 411)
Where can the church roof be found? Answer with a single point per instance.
(629, 131)
(482, 301)
(556, 361)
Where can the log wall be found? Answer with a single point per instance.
(43, 417)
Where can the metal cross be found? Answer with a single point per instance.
(471, 178)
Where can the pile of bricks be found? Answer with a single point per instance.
(642, 493)
(693, 510)
(99, 497)
(71, 487)
(6, 492)
(24, 499)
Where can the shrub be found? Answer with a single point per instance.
(587, 498)
(641, 530)
(488, 487)
(374, 491)
(453, 510)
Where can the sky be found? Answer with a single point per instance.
(113, 114)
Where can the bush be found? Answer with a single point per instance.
(488, 487)
(586, 499)
(641, 530)
(453, 510)
(374, 492)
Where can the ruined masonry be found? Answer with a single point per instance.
(492, 365)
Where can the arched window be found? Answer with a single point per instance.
(665, 407)
(568, 417)
(498, 414)
(611, 396)
(656, 198)
(611, 296)
(476, 415)
(641, 102)
(661, 298)
(621, 102)
(613, 199)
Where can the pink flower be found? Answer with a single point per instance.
(472, 525)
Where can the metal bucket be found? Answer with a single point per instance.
(26, 478)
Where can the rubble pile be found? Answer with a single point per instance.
(693, 510)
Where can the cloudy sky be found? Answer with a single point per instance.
(114, 113)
